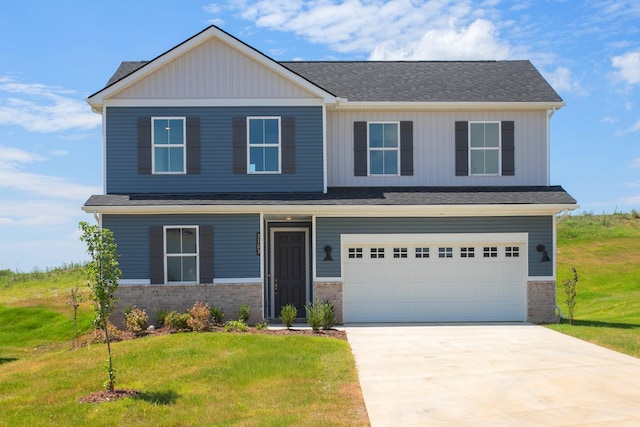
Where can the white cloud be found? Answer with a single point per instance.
(477, 41)
(562, 80)
(636, 163)
(395, 29)
(41, 108)
(13, 177)
(610, 120)
(38, 213)
(628, 66)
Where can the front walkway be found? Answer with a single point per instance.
(491, 375)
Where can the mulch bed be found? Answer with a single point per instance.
(108, 396)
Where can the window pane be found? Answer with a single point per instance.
(376, 136)
(161, 158)
(188, 240)
(174, 269)
(256, 131)
(491, 161)
(189, 269)
(271, 159)
(176, 160)
(173, 241)
(176, 131)
(376, 162)
(391, 162)
(477, 161)
(390, 135)
(161, 131)
(491, 134)
(271, 131)
(477, 134)
(256, 159)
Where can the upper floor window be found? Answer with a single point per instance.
(181, 254)
(384, 148)
(263, 134)
(484, 148)
(169, 145)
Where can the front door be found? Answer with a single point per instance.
(290, 270)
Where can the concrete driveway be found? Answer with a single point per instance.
(491, 375)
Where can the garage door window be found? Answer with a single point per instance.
(512, 252)
(467, 252)
(490, 252)
(377, 252)
(445, 252)
(355, 253)
(422, 252)
(399, 252)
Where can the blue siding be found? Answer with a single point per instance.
(216, 153)
(234, 242)
(539, 228)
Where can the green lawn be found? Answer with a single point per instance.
(185, 379)
(605, 250)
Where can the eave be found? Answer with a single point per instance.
(447, 106)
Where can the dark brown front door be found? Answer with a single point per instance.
(290, 272)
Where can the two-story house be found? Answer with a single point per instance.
(399, 191)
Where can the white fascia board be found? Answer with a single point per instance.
(215, 102)
(97, 100)
(341, 211)
(351, 105)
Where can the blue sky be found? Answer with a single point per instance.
(55, 54)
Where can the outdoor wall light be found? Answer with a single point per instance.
(545, 255)
(327, 253)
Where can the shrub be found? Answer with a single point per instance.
(262, 326)
(235, 325)
(96, 336)
(244, 312)
(136, 320)
(200, 315)
(314, 316)
(328, 315)
(177, 321)
(288, 314)
(161, 314)
(217, 314)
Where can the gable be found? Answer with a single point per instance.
(213, 70)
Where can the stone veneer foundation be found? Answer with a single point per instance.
(541, 302)
(332, 292)
(229, 297)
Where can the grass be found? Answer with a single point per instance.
(605, 250)
(191, 379)
(184, 379)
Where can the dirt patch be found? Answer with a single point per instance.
(108, 396)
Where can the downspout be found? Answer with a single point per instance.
(98, 218)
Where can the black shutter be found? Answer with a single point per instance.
(406, 148)
(193, 145)
(206, 254)
(288, 145)
(462, 148)
(360, 148)
(156, 254)
(508, 149)
(144, 145)
(239, 145)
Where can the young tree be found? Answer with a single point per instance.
(102, 274)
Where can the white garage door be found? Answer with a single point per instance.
(434, 278)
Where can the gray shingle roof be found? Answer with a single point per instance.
(417, 81)
(353, 196)
(429, 81)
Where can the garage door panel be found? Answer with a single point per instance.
(435, 289)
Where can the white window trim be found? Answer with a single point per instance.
(183, 146)
(397, 149)
(498, 148)
(278, 145)
(166, 255)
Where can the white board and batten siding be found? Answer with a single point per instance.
(214, 70)
(434, 148)
(404, 287)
